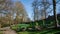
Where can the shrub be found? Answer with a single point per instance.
(20, 27)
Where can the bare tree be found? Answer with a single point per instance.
(5, 7)
(40, 8)
(21, 15)
(35, 9)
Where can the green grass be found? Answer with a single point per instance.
(19, 26)
(28, 32)
(52, 31)
(1, 32)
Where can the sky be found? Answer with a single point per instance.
(28, 5)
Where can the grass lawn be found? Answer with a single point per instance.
(28, 32)
(1, 32)
(41, 32)
(48, 31)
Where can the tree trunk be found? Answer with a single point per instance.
(54, 10)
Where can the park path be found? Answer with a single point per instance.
(7, 30)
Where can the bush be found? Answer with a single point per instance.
(5, 25)
(20, 27)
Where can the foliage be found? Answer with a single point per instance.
(19, 26)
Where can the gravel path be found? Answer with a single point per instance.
(7, 30)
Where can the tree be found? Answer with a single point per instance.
(8, 9)
(55, 15)
(21, 15)
(40, 8)
(5, 10)
(35, 9)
